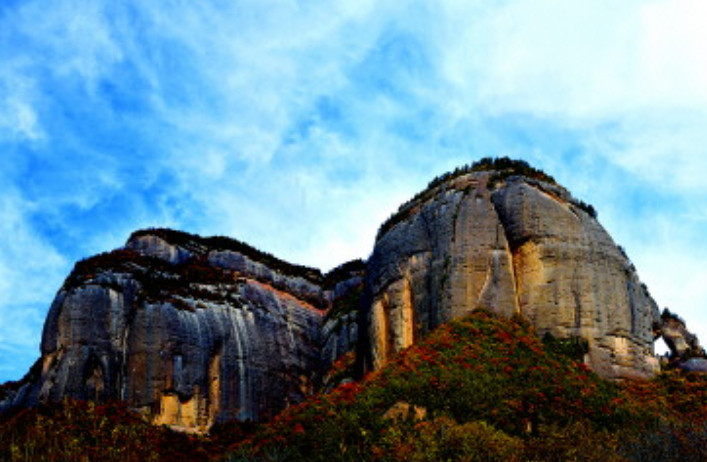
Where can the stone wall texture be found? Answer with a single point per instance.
(188, 334)
(518, 246)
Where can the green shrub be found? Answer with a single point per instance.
(576, 442)
(573, 348)
(442, 439)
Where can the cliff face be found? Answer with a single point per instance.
(188, 330)
(511, 246)
(194, 331)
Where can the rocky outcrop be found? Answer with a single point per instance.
(193, 331)
(509, 245)
(685, 349)
(190, 331)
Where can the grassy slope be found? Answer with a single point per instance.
(490, 390)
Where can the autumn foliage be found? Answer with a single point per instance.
(490, 390)
(78, 431)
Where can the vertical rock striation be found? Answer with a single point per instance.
(195, 331)
(191, 331)
(509, 245)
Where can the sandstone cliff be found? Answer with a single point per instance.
(195, 331)
(509, 245)
(191, 331)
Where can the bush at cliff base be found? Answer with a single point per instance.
(487, 389)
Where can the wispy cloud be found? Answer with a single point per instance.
(300, 126)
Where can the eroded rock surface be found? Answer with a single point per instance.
(517, 246)
(191, 331)
(195, 331)
(684, 345)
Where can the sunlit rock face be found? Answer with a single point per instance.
(194, 331)
(515, 245)
(191, 331)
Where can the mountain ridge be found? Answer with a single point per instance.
(194, 331)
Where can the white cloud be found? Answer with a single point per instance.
(70, 35)
(673, 53)
(586, 60)
(667, 148)
(19, 344)
(18, 120)
(23, 253)
(675, 272)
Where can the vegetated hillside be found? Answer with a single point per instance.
(81, 431)
(479, 388)
(486, 388)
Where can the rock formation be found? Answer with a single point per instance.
(685, 349)
(191, 331)
(510, 245)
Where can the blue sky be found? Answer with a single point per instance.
(299, 126)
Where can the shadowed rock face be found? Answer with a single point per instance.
(521, 246)
(188, 333)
